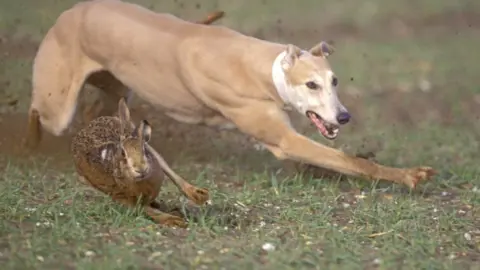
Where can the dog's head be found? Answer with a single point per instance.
(308, 84)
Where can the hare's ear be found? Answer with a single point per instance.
(123, 114)
(123, 111)
(144, 131)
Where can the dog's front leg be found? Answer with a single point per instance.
(268, 124)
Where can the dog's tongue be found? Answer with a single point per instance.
(318, 123)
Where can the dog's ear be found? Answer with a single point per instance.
(291, 55)
(322, 49)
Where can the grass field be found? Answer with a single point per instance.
(408, 73)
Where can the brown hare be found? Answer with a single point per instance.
(114, 157)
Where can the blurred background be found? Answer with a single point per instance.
(408, 72)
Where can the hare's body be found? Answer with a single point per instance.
(106, 175)
(113, 156)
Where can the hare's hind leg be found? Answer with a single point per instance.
(153, 211)
(157, 205)
(197, 195)
(163, 218)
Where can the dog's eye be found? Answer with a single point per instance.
(334, 81)
(312, 85)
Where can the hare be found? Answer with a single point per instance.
(113, 156)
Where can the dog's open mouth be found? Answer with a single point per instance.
(328, 130)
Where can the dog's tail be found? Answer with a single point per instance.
(214, 16)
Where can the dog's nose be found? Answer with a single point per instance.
(343, 118)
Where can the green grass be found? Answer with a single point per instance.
(49, 221)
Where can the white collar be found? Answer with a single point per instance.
(278, 77)
(284, 88)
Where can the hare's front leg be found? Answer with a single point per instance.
(195, 194)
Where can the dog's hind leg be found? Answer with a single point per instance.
(58, 77)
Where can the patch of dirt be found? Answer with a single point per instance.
(453, 20)
(17, 47)
(408, 109)
(199, 144)
(386, 28)
(12, 47)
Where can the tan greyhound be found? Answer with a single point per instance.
(198, 74)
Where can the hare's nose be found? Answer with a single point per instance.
(142, 171)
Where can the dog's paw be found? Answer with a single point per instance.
(415, 175)
(198, 195)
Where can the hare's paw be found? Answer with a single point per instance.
(197, 195)
(174, 221)
(415, 175)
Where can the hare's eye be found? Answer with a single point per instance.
(104, 154)
(123, 152)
